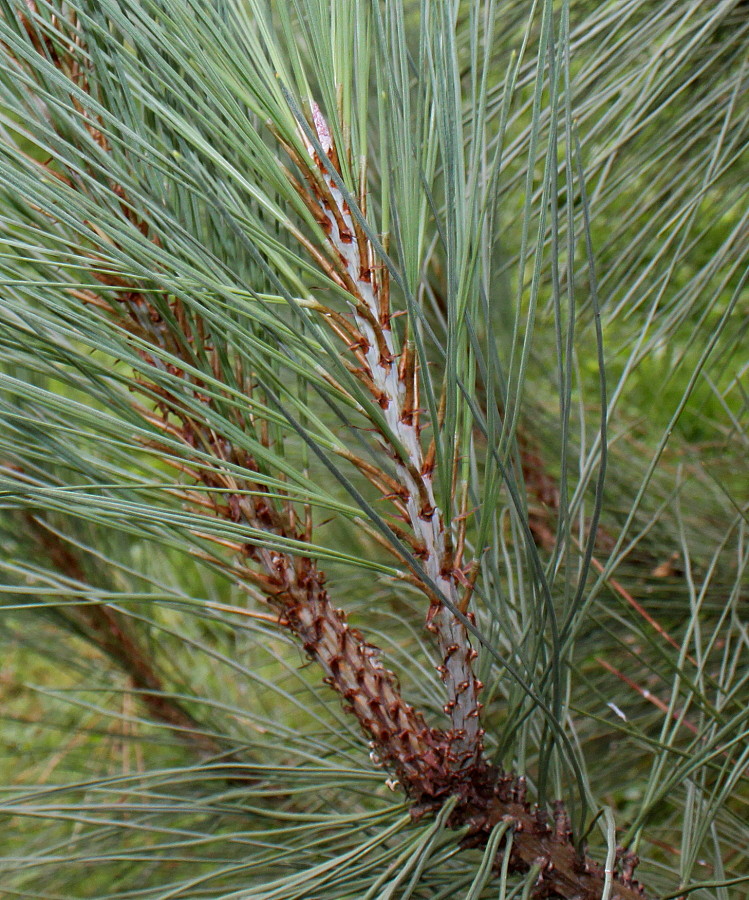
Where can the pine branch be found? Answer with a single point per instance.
(110, 632)
(419, 755)
(431, 764)
(395, 387)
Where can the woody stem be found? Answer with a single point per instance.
(394, 389)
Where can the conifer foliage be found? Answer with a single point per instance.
(342, 556)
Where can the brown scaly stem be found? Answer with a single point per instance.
(400, 737)
(295, 588)
(564, 871)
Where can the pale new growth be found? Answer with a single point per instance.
(425, 517)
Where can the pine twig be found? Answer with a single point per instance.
(394, 378)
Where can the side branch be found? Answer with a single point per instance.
(110, 631)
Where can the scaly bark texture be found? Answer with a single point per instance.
(563, 871)
(402, 740)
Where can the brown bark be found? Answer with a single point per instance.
(110, 631)
(400, 736)
(565, 871)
